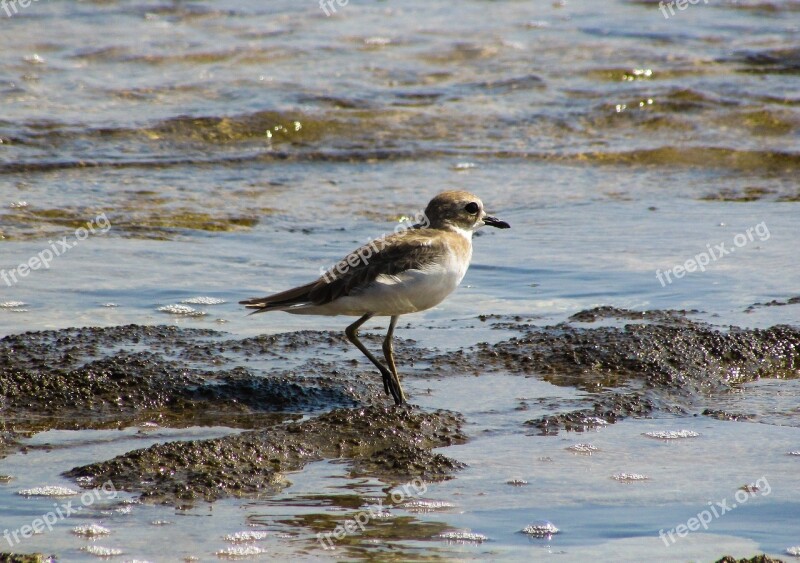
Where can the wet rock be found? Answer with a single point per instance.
(748, 194)
(685, 358)
(607, 410)
(785, 60)
(79, 377)
(724, 415)
(7, 442)
(690, 357)
(86, 377)
(393, 443)
(25, 558)
(668, 363)
(607, 312)
(755, 559)
(774, 303)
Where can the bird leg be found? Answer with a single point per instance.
(388, 353)
(389, 383)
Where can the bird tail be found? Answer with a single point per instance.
(282, 301)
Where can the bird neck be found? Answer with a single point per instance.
(466, 233)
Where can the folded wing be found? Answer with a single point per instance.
(388, 256)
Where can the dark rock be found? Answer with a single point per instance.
(755, 559)
(391, 442)
(88, 376)
(724, 415)
(25, 558)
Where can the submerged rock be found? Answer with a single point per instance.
(24, 558)
(681, 357)
(607, 410)
(391, 442)
(668, 363)
(755, 559)
(78, 378)
(84, 378)
(608, 312)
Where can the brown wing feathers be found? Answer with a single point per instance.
(404, 252)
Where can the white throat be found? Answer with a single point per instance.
(466, 233)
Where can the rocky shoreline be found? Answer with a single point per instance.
(633, 364)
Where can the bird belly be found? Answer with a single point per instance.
(408, 292)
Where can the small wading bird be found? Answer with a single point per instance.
(405, 272)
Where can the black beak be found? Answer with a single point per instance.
(495, 222)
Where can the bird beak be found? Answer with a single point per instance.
(495, 222)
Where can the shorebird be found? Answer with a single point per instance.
(401, 273)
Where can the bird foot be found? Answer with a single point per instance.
(391, 385)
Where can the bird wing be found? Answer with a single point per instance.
(388, 256)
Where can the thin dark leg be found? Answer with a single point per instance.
(388, 353)
(388, 379)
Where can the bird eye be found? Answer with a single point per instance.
(472, 208)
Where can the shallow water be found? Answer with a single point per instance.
(237, 149)
(576, 492)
